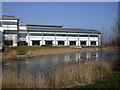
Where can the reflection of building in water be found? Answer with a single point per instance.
(77, 56)
(97, 55)
(83, 55)
(87, 55)
(55, 59)
(94, 55)
(67, 58)
(45, 62)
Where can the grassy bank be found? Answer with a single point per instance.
(64, 75)
(32, 51)
(111, 81)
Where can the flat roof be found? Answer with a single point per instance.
(9, 17)
(57, 26)
(72, 30)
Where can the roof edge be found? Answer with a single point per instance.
(44, 25)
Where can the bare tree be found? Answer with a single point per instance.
(116, 34)
(104, 34)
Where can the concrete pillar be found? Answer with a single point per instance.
(78, 41)
(67, 41)
(55, 39)
(28, 39)
(88, 40)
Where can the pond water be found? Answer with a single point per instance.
(47, 63)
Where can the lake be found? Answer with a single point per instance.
(45, 64)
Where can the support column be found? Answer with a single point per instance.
(67, 39)
(78, 39)
(28, 39)
(88, 40)
(55, 38)
(42, 38)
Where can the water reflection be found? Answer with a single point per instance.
(46, 63)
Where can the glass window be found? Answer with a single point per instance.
(36, 42)
(8, 42)
(73, 35)
(93, 42)
(10, 32)
(60, 42)
(48, 43)
(35, 34)
(83, 42)
(48, 34)
(61, 34)
(9, 23)
(22, 35)
(83, 35)
(73, 43)
(93, 35)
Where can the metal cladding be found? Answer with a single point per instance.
(72, 30)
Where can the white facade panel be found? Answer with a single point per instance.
(93, 38)
(66, 40)
(10, 28)
(22, 28)
(83, 38)
(54, 36)
(49, 37)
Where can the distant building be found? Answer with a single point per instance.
(15, 34)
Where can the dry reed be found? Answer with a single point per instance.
(24, 79)
(9, 55)
(110, 48)
(79, 73)
(64, 75)
(54, 51)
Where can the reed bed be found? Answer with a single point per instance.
(54, 51)
(32, 51)
(110, 48)
(64, 75)
(9, 55)
(24, 79)
(80, 73)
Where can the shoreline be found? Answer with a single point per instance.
(13, 54)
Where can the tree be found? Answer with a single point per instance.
(116, 34)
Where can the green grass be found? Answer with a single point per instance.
(111, 81)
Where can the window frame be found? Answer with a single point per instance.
(83, 44)
(93, 42)
(62, 43)
(36, 44)
(70, 43)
